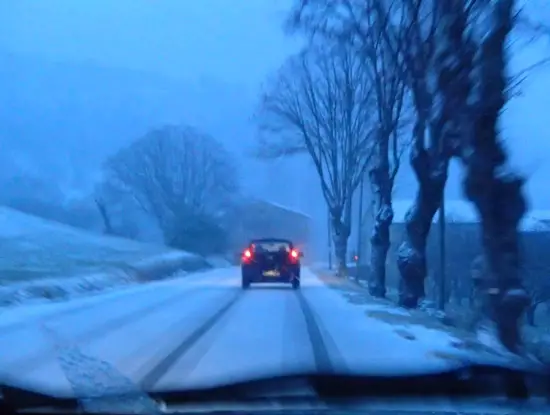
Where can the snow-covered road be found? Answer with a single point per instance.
(200, 329)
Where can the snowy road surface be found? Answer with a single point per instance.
(200, 329)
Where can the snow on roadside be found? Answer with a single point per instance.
(218, 262)
(69, 287)
(46, 261)
(32, 310)
(378, 345)
(416, 326)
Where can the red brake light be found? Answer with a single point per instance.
(294, 254)
(247, 254)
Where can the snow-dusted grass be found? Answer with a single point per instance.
(408, 324)
(429, 325)
(33, 248)
(404, 340)
(44, 259)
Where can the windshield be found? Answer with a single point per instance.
(270, 246)
(152, 150)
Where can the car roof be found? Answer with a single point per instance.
(288, 241)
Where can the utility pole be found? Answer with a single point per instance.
(442, 276)
(360, 222)
(442, 259)
(329, 229)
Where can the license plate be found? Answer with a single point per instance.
(272, 273)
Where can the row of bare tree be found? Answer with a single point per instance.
(375, 72)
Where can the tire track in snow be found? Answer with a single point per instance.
(321, 346)
(86, 306)
(318, 344)
(162, 367)
(27, 362)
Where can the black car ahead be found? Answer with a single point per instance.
(271, 260)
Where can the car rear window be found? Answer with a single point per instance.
(270, 246)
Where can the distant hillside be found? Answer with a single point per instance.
(64, 118)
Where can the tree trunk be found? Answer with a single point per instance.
(501, 205)
(439, 106)
(341, 228)
(431, 172)
(107, 227)
(380, 243)
(495, 191)
(411, 256)
(340, 237)
(380, 180)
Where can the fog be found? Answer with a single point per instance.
(81, 79)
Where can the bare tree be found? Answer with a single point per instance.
(321, 103)
(532, 21)
(469, 62)
(495, 190)
(355, 24)
(174, 174)
(431, 68)
(530, 28)
(449, 44)
(409, 43)
(412, 44)
(105, 217)
(118, 213)
(389, 83)
(409, 32)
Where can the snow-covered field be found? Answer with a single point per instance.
(44, 259)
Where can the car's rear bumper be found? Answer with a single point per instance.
(263, 279)
(254, 275)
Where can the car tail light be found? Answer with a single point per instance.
(294, 255)
(247, 255)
